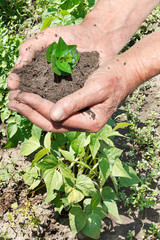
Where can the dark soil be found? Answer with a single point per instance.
(37, 77)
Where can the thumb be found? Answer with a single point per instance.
(92, 93)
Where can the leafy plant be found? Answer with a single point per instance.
(153, 232)
(74, 167)
(62, 56)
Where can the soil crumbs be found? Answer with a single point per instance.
(37, 77)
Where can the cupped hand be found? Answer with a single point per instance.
(85, 110)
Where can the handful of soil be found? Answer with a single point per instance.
(37, 77)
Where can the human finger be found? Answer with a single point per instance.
(13, 81)
(35, 117)
(95, 91)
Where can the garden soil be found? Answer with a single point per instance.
(36, 220)
(37, 77)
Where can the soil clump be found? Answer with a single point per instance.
(37, 77)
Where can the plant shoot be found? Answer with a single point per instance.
(63, 57)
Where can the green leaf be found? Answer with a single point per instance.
(104, 167)
(36, 131)
(65, 170)
(78, 144)
(71, 135)
(61, 49)
(87, 206)
(112, 153)
(35, 184)
(30, 146)
(48, 162)
(75, 196)
(30, 176)
(53, 180)
(94, 145)
(121, 125)
(39, 155)
(63, 66)
(93, 226)
(115, 183)
(104, 132)
(46, 22)
(67, 155)
(77, 219)
(86, 185)
(126, 182)
(47, 141)
(50, 197)
(100, 211)
(108, 193)
(54, 67)
(11, 129)
(50, 52)
(111, 207)
(118, 170)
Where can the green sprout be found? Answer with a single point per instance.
(62, 56)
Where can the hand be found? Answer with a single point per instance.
(101, 95)
(93, 39)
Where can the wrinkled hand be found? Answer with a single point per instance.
(89, 108)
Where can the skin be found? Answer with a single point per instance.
(105, 30)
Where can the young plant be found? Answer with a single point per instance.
(74, 167)
(62, 56)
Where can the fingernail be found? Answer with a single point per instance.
(57, 114)
(19, 60)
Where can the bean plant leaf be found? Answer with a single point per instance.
(121, 125)
(93, 226)
(36, 131)
(63, 66)
(77, 219)
(104, 167)
(46, 22)
(53, 180)
(111, 207)
(100, 211)
(50, 197)
(30, 146)
(86, 185)
(48, 162)
(61, 49)
(126, 182)
(108, 193)
(39, 155)
(78, 144)
(68, 155)
(118, 170)
(11, 129)
(75, 196)
(51, 51)
(112, 153)
(65, 170)
(94, 145)
(47, 140)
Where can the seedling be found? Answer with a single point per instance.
(62, 56)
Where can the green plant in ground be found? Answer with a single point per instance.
(5, 236)
(130, 235)
(7, 171)
(22, 217)
(66, 12)
(62, 56)
(74, 167)
(152, 233)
